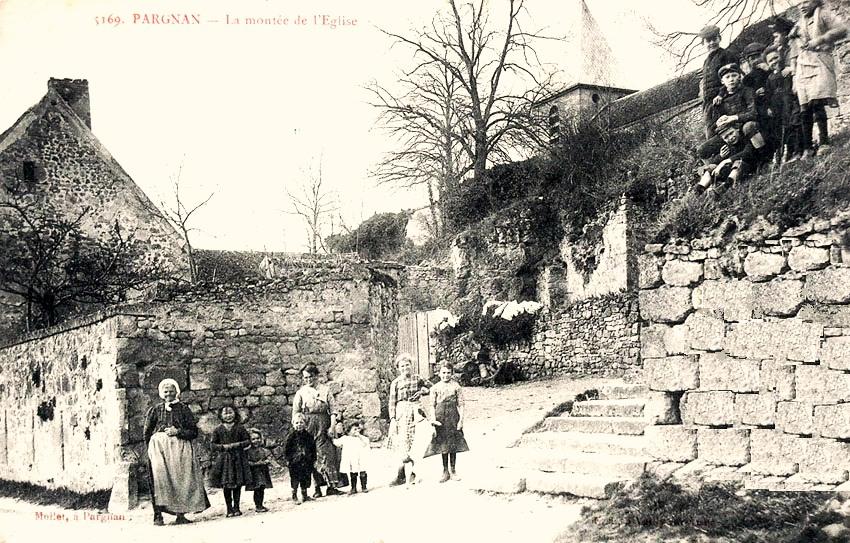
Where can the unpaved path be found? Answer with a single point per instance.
(425, 512)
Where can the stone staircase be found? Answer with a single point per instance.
(587, 452)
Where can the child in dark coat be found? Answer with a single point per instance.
(785, 107)
(230, 470)
(300, 454)
(258, 459)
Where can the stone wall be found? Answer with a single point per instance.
(62, 411)
(593, 337)
(426, 287)
(752, 340)
(240, 345)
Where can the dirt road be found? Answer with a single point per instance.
(425, 512)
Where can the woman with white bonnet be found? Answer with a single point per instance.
(177, 483)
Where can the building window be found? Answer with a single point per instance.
(554, 125)
(29, 170)
(595, 97)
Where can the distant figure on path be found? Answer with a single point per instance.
(177, 483)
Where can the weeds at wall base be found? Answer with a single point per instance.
(62, 497)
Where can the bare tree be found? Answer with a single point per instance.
(493, 79)
(179, 213)
(55, 267)
(425, 119)
(314, 203)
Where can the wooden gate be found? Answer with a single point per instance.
(414, 338)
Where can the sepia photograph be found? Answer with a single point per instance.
(444, 271)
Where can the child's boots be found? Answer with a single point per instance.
(363, 479)
(352, 477)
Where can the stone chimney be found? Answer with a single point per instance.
(76, 93)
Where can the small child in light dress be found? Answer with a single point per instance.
(258, 460)
(355, 450)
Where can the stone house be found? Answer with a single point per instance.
(51, 154)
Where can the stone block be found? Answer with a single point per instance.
(681, 273)
(666, 304)
(779, 298)
(672, 373)
(652, 341)
(723, 447)
(821, 385)
(125, 490)
(711, 269)
(795, 418)
(762, 266)
(775, 453)
(676, 339)
(662, 408)
(822, 454)
(371, 404)
(671, 443)
(835, 353)
(792, 339)
(359, 380)
(649, 271)
(717, 371)
(705, 331)
(731, 299)
(803, 258)
(829, 286)
(833, 421)
(778, 377)
(714, 408)
(756, 409)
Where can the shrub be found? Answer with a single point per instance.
(503, 323)
(377, 237)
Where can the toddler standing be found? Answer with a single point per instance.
(355, 448)
(258, 460)
(300, 453)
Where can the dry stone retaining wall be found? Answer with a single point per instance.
(752, 340)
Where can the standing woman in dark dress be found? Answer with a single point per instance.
(177, 483)
(314, 402)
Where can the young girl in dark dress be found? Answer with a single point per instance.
(230, 471)
(258, 459)
(447, 403)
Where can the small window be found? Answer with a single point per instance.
(29, 170)
(595, 97)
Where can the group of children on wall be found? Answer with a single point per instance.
(763, 106)
(242, 460)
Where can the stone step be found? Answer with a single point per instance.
(585, 486)
(585, 442)
(609, 408)
(596, 425)
(512, 481)
(610, 465)
(622, 391)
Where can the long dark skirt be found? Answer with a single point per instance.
(447, 439)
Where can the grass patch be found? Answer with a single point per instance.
(658, 510)
(786, 198)
(62, 497)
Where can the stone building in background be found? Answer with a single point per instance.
(53, 162)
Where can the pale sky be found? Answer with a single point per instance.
(246, 108)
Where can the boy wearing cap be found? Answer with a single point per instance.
(817, 31)
(736, 105)
(787, 127)
(710, 83)
(755, 77)
(734, 160)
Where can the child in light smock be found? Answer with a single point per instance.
(355, 451)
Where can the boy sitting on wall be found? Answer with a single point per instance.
(735, 159)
